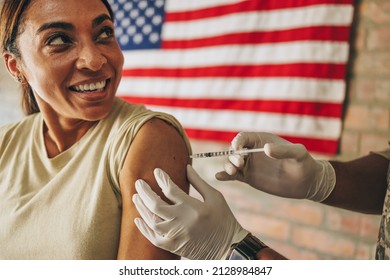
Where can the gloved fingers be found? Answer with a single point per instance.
(223, 176)
(155, 224)
(241, 140)
(237, 161)
(198, 183)
(169, 188)
(159, 226)
(256, 140)
(146, 231)
(286, 151)
(230, 168)
(150, 201)
(244, 139)
(148, 216)
(162, 241)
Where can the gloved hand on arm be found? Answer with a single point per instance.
(189, 227)
(284, 169)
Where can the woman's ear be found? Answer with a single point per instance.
(11, 64)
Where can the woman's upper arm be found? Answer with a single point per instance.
(157, 144)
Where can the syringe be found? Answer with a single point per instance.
(227, 153)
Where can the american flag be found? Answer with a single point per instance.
(224, 66)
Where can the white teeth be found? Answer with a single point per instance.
(91, 87)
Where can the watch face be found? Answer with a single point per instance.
(236, 255)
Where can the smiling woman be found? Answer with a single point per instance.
(67, 170)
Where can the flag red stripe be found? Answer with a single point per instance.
(315, 145)
(245, 6)
(307, 70)
(314, 33)
(270, 106)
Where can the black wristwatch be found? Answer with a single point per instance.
(246, 249)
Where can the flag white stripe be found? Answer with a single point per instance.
(227, 120)
(248, 88)
(292, 52)
(340, 15)
(180, 5)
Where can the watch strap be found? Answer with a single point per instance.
(247, 248)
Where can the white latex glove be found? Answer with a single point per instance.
(284, 169)
(189, 227)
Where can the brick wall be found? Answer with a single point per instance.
(367, 117)
(304, 229)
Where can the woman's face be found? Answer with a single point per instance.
(70, 57)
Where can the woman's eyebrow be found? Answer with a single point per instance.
(68, 26)
(99, 19)
(56, 25)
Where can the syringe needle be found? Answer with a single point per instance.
(227, 153)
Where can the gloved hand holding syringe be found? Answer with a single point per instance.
(227, 153)
(287, 169)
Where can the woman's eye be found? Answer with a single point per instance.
(57, 40)
(106, 33)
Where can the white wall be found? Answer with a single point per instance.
(10, 98)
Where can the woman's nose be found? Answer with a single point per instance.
(90, 58)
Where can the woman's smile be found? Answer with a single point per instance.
(91, 91)
(98, 86)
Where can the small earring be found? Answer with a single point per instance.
(19, 79)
